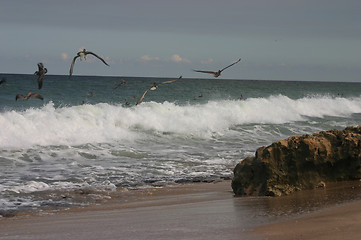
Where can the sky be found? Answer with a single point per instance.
(306, 40)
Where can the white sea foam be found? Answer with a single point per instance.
(106, 123)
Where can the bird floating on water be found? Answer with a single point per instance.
(218, 73)
(120, 84)
(41, 74)
(30, 95)
(82, 54)
(153, 87)
(126, 102)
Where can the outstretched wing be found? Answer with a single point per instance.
(19, 96)
(210, 72)
(145, 93)
(36, 95)
(230, 65)
(170, 81)
(97, 57)
(72, 65)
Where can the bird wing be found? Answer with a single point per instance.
(145, 93)
(170, 81)
(230, 65)
(40, 66)
(72, 65)
(36, 95)
(205, 71)
(19, 96)
(97, 57)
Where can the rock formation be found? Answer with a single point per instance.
(300, 162)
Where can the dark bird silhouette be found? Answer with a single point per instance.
(218, 73)
(3, 80)
(153, 87)
(41, 74)
(30, 95)
(82, 54)
(120, 84)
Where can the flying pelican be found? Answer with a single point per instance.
(30, 95)
(41, 73)
(82, 54)
(120, 84)
(153, 87)
(218, 73)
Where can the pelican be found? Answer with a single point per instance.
(218, 73)
(30, 95)
(120, 84)
(41, 73)
(153, 87)
(82, 54)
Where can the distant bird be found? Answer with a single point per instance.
(218, 73)
(3, 80)
(120, 84)
(153, 87)
(200, 96)
(82, 54)
(126, 102)
(41, 74)
(90, 94)
(30, 95)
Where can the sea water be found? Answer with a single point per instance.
(85, 138)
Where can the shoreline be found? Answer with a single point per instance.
(188, 211)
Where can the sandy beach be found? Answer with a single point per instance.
(195, 211)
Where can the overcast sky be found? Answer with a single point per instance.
(312, 40)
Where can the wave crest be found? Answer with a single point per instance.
(104, 122)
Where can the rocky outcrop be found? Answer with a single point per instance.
(303, 162)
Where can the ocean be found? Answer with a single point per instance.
(84, 139)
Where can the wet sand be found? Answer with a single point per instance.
(342, 222)
(191, 211)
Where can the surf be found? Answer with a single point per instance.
(103, 122)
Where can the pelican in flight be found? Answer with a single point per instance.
(30, 95)
(41, 74)
(153, 87)
(218, 73)
(82, 54)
